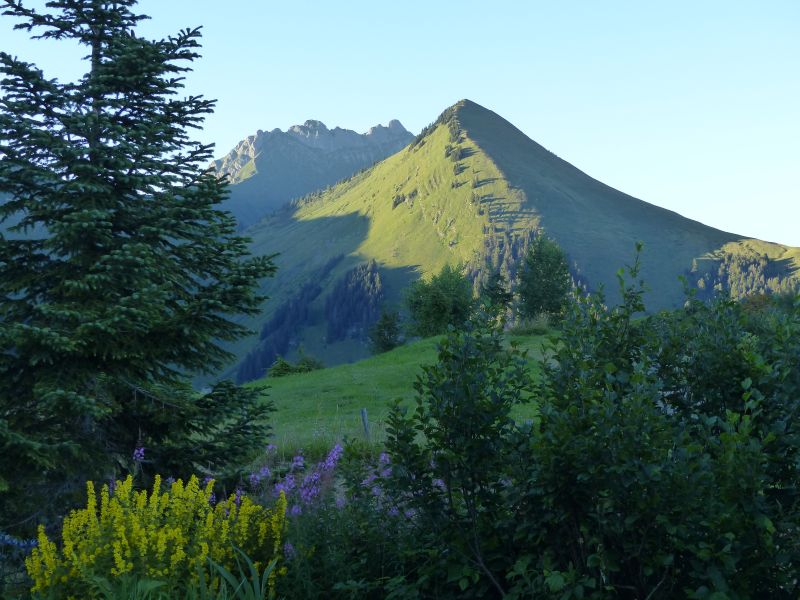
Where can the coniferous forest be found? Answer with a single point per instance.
(630, 451)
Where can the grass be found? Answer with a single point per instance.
(317, 409)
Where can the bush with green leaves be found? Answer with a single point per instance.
(444, 300)
(451, 462)
(662, 461)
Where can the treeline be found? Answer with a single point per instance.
(278, 333)
(354, 304)
(743, 275)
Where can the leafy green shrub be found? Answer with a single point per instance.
(451, 459)
(661, 464)
(166, 536)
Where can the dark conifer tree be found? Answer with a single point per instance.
(544, 281)
(119, 273)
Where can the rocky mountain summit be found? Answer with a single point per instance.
(362, 149)
(270, 168)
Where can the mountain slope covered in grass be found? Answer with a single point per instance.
(472, 189)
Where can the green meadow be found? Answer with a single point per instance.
(315, 410)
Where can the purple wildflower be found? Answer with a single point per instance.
(299, 461)
(384, 458)
(340, 501)
(310, 487)
(170, 480)
(237, 496)
(207, 479)
(295, 510)
(439, 483)
(286, 486)
(138, 454)
(393, 511)
(212, 499)
(333, 458)
(288, 550)
(255, 479)
(368, 481)
(271, 448)
(264, 472)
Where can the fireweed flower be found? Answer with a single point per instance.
(333, 458)
(288, 550)
(286, 486)
(298, 462)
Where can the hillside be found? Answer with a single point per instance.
(473, 189)
(317, 409)
(270, 168)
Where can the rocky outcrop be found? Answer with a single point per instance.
(346, 146)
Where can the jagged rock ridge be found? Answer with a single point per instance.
(270, 168)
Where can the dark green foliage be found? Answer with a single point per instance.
(282, 367)
(495, 294)
(661, 463)
(544, 281)
(742, 274)
(451, 459)
(136, 273)
(444, 300)
(352, 306)
(385, 333)
(278, 333)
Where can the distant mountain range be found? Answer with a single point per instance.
(270, 168)
(470, 189)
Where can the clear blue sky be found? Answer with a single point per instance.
(694, 106)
